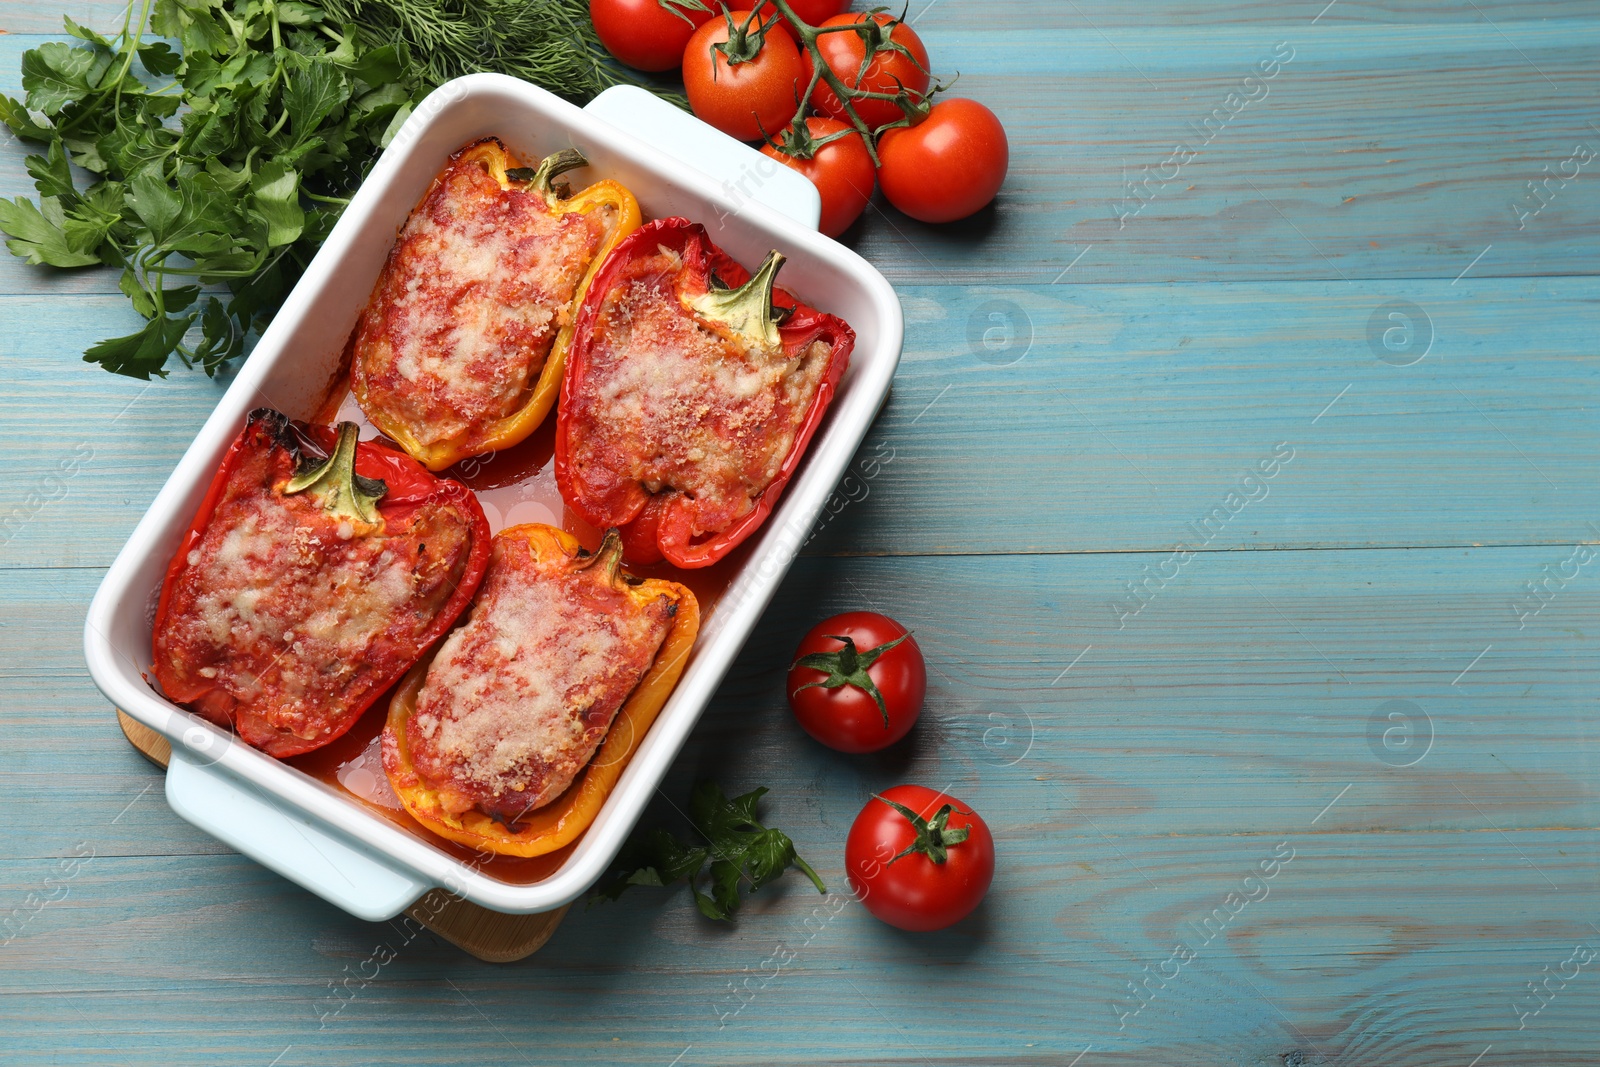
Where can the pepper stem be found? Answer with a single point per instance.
(608, 556)
(555, 163)
(335, 484)
(747, 310)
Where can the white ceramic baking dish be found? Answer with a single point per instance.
(311, 832)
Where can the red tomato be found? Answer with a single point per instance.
(948, 165)
(642, 33)
(811, 12)
(944, 875)
(887, 73)
(832, 682)
(742, 100)
(841, 170)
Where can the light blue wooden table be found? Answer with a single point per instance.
(1380, 660)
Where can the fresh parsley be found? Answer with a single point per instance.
(220, 158)
(740, 850)
(220, 168)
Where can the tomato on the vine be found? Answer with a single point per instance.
(948, 165)
(757, 93)
(858, 681)
(643, 33)
(889, 72)
(919, 859)
(811, 12)
(841, 170)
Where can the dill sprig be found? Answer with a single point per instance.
(551, 43)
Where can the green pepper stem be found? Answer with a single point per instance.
(608, 557)
(335, 484)
(747, 310)
(555, 163)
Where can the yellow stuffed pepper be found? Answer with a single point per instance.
(462, 344)
(511, 736)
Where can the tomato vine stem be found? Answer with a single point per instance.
(808, 35)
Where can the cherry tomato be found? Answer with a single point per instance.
(887, 73)
(811, 12)
(944, 875)
(742, 100)
(841, 170)
(642, 33)
(948, 165)
(858, 681)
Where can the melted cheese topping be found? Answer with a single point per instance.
(670, 404)
(479, 283)
(286, 617)
(517, 701)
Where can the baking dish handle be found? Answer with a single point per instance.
(744, 173)
(231, 811)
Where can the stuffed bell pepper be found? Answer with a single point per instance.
(512, 734)
(691, 393)
(317, 571)
(461, 347)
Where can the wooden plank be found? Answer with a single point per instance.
(99, 445)
(1252, 683)
(1356, 951)
(1072, 22)
(1365, 157)
(1116, 429)
(19, 18)
(1134, 411)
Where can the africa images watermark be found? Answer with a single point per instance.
(855, 486)
(54, 888)
(1253, 888)
(742, 992)
(1252, 488)
(1553, 579)
(51, 486)
(1540, 995)
(1251, 89)
(1541, 194)
(344, 990)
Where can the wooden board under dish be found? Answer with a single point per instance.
(489, 935)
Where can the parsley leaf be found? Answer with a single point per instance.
(315, 92)
(222, 140)
(141, 354)
(277, 201)
(51, 175)
(55, 75)
(741, 851)
(38, 234)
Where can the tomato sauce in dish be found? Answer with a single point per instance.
(514, 486)
(477, 286)
(353, 766)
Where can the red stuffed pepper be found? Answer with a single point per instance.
(317, 571)
(692, 390)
